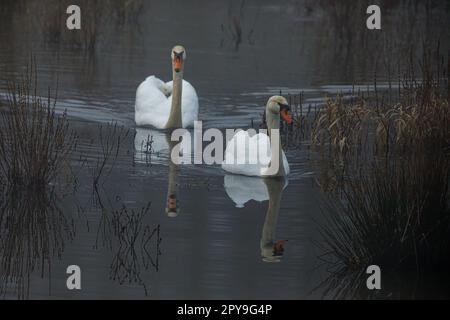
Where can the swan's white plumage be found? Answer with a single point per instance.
(249, 155)
(154, 101)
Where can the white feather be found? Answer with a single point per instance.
(154, 101)
(249, 155)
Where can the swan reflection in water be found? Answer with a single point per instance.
(242, 189)
(155, 147)
(152, 146)
(172, 206)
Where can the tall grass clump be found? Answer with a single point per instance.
(392, 205)
(35, 142)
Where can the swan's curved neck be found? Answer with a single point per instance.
(273, 123)
(175, 120)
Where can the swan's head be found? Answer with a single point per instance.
(279, 105)
(178, 56)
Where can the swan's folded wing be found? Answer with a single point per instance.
(156, 82)
(149, 93)
(167, 88)
(152, 105)
(247, 155)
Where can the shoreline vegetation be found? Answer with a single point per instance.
(387, 173)
(40, 164)
(35, 143)
(49, 18)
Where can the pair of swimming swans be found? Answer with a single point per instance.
(174, 104)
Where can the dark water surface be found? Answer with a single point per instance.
(212, 249)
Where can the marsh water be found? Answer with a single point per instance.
(239, 54)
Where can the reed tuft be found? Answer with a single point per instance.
(35, 142)
(391, 202)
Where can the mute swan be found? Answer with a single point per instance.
(173, 104)
(241, 154)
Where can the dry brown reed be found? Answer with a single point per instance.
(392, 203)
(35, 142)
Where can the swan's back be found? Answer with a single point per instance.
(154, 101)
(249, 155)
(152, 106)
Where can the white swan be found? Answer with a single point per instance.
(173, 104)
(256, 155)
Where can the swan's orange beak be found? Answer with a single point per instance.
(285, 114)
(177, 64)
